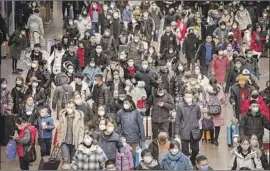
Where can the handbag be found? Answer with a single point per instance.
(207, 124)
(11, 150)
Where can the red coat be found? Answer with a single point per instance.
(256, 46)
(263, 107)
(91, 9)
(237, 34)
(219, 67)
(81, 56)
(183, 31)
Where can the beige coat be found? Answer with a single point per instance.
(78, 128)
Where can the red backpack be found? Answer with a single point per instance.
(33, 132)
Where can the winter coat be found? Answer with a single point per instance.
(190, 46)
(157, 15)
(55, 61)
(231, 78)
(73, 32)
(176, 162)
(115, 87)
(73, 58)
(256, 42)
(92, 158)
(90, 73)
(178, 85)
(62, 87)
(219, 68)
(130, 124)
(127, 159)
(100, 16)
(85, 92)
(237, 34)
(40, 97)
(46, 79)
(32, 117)
(126, 15)
(32, 73)
(201, 53)
(187, 120)
(109, 45)
(262, 105)
(266, 96)
(100, 96)
(251, 161)
(220, 34)
(135, 51)
(137, 92)
(154, 150)
(23, 141)
(77, 128)
(235, 96)
(17, 94)
(116, 27)
(111, 144)
(108, 74)
(167, 41)
(81, 55)
(100, 61)
(129, 71)
(18, 44)
(48, 132)
(243, 18)
(160, 114)
(87, 111)
(35, 23)
(250, 124)
(153, 166)
(6, 102)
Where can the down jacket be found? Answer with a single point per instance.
(219, 67)
(127, 162)
(243, 18)
(85, 92)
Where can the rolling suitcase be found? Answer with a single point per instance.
(50, 162)
(147, 123)
(232, 132)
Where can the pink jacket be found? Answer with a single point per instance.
(219, 67)
(127, 159)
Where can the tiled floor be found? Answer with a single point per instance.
(219, 157)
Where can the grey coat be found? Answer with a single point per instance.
(18, 45)
(187, 121)
(135, 53)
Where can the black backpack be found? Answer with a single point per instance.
(30, 155)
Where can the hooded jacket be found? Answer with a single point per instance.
(127, 162)
(35, 23)
(175, 162)
(135, 51)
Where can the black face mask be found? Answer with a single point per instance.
(59, 47)
(163, 139)
(254, 96)
(87, 146)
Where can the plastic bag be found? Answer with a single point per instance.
(11, 150)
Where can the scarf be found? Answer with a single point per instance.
(29, 108)
(131, 70)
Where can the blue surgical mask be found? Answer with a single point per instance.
(205, 167)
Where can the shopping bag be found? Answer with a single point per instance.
(138, 156)
(4, 49)
(11, 150)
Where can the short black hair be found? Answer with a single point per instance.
(36, 11)
(100, 76)
(109, 162)
(253, 102)
(144, 152)
(200, 158)
(20, 120)
(162, 130)
(244, 168)
(3, 80)
(79, 75)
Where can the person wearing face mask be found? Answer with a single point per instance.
(110, 141)
(29, 110)
(35, 25)
(219, 67)
(99, 57)
(239, 93)
(70, 131)
(161, 103)
(165, 75)
(191, 49)
(72, 30)
(116, 84)
(187, 119)
(83, 106)
(126, 15)
(167, 39)
(80, 86)
(242, 17)
(123, 58)
(233, 72)
(17, 94)
(171, 57)
(91, 151)
(90, 71)
(266, 94)
(177, 83)
(149, 23)
(202, 163)
(113, 66)
(71, 56)
(17, 44)
(82, 55)
(82, 27)
(124, 162)
(256, 44)
(55, 60)
(109, 43)
(130, 122)
(116, 27)
(160, 145)
(175, 159)
(156, 13)
(36, 90)
(34, 71)
(262, 105)
(97, 16)
(36, 53)
(135, 49)
(244, 156)
(148, 162)
(221, 33)
(130, 69)
(236, 32)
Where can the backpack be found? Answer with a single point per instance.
(30, 155)
(213, 106)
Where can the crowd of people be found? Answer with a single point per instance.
(115, 81)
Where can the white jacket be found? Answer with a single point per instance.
(55, 61)
(137, 92)
(249, 161)
(85, 92)
(35, 23)
(243, 18)
(83, 25)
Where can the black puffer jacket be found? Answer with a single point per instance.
(190, 46)
(250, 124)
(266, 95)
(167, 41)
(73, 58)
(32, 73)
(101, 95)
(39, 97)
(17, 94)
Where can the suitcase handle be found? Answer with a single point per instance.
(54, 153)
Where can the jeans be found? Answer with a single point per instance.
(24, 165)
(67, 152)
(45, 146)
(157, 126)
(156, 34)
(194, 145)
(207, 69)
(95, 27)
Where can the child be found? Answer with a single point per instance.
(45, 128)
(110, 165)
(124, 162)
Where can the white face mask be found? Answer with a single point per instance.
(69, 111)
(174, 151)
(110, 129)
(126, 106)
(222, 27)
(78, 101)
(18, 82)
(28, 113)
(130, 64)
(34, 65)
(148, 159)
(144, 67)
(101, 112)
(180, 68)
(98, 51)
(234, 26)
(151, 51)
(220, 53)
(70, 71)
(102, 127)
(87, 141)
(238, 65)
(244, 147)
(189, 100)
(92, 65)
(254, 110)
(35, 84)
(197, 71)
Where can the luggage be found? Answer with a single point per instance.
(147, 123)
(11, 150)
(4, 49)
(206, 136)
(50, 162)
(232, 132)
